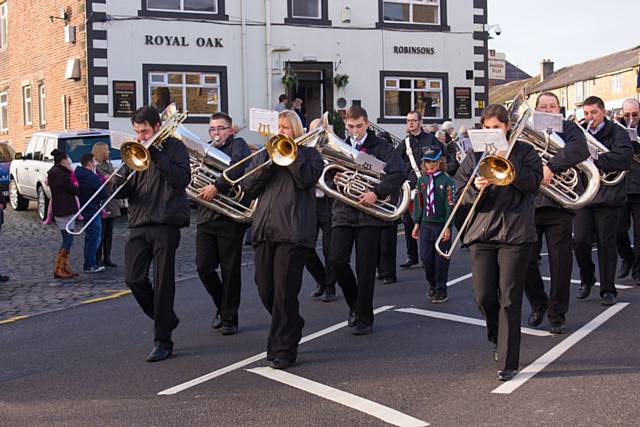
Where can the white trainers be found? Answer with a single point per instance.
(95, 269)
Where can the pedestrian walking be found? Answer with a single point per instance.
(104, 169)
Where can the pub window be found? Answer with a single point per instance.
(26, 105)
(306, 9)
(4, 111)
(197, 93)
(412, 11)
(404, 94)
(42, 106)
(3, 25)
(193, 6)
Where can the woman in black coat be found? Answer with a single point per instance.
(500, 237)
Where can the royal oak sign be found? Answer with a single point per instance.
(181, 41)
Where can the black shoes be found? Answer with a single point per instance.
(558, 328)
(608, 298)
(439, 297)
(108, 263)
(4, 278)
(535, 318)
(317, 293)
(431, 292)
(159, 353)
(624, 269)
(351, 320)
(585, 289)
(506, 375)
(216, 323)
(389, 280)
(408, 263)
(281, 363)
(329, 294)
(362, 329)
(229, 329)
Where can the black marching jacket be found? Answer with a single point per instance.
(633, 174)
(395, 175)
(619, 158)
(286, 208)
(504, 215)
(237, 149)
(418, 145)
(63, 191)
(574, 152)
(157, 195)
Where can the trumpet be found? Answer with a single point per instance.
(135, 155)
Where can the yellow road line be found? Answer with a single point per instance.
(115, 294)
(12, 319)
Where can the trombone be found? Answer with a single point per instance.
(135, 155)
(497, 169)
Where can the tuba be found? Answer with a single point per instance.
(355, 178)
(563, 188)
(207, 164)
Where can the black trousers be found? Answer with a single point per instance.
(358, 293)
(630, 211)
(436, 267)
(498, 283)
(412, 244)
(219, 244)
(322, 272)
(103, 254)
(599, 223)
(279, 277)
(556, 225)
(155, 244)
(387, 252)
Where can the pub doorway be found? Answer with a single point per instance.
(315, 88)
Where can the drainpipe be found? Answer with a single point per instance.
(65, 113)
(243, 43)
(267, 19)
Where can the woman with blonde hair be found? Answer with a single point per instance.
(104, 169)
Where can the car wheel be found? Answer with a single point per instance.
(43, 203)
(18, 203)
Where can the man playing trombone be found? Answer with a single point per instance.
(218, 237)
(158, 208)
(556, 222)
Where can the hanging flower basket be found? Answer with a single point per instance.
(340, 80)
(290, 79)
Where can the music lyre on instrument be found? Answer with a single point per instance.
(135, 155)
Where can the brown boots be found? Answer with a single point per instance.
(62, 269)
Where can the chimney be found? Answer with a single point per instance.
(546, 69)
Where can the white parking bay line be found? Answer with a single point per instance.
(547, 278)
(358, 403)
(557, 351)
(465, 319)
(459, 279)
(241, 364)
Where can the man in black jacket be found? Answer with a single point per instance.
(631, 257)
(218, 237)
(600, 217)
(351, 225)
(556, 223)
(158, 208)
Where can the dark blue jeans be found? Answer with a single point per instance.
(436, 267)
(92, 236)
(67, 240)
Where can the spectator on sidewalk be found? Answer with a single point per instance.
(64, 206)
(88, 184)
(104, 168)
(2, 205)
(282, 103)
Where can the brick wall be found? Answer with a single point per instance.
(37, 54)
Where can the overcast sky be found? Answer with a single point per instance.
(565, 31)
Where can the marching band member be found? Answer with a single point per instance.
(556, 223)
(218, 237)
(158, 208)
(631, 257)
(351, 225)
(500, 237)
(601, 215)
(284, 232)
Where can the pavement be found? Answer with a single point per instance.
(424, 364)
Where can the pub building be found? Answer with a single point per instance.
(390, 56)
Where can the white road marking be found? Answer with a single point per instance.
(241, 364)
(459, 279)
(557, 351)
(546, 278)
(358, 403)
(465, 319)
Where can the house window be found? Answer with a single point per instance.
(313, 12)
(3, 26)
(616, 83)
(197, 6)
(199, 90)
(412, 11)
(26, 105)
(563, 98)
(404, 94)
(4, 112)
(578, 88)
(42, 106)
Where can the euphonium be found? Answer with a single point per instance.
(354, 180)
(607, 178)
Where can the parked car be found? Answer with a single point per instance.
(6, 155)
(28, 171)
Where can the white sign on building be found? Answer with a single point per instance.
(497, 65)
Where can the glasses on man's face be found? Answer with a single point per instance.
(634, 114)
(219, 129)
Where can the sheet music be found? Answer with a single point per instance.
(263, 121)
(547, 121)
(481, 138)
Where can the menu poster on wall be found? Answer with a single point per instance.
(124, 98)
(462, 102)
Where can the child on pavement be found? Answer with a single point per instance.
(433, 203)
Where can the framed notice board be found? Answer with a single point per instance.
(462, 102)
(124, 98)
